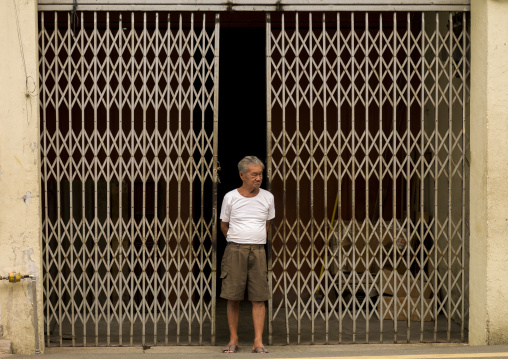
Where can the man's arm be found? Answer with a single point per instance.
(224, 227)
(267, 225)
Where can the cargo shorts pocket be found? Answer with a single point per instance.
(225, 265)
(223, 274)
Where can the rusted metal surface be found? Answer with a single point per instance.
(256, 5)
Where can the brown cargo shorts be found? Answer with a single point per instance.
(244, 266)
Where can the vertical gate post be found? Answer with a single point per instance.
(269, 164)
(20, 178)
(489, 157)
(215, 176)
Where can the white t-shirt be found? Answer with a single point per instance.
(247, 216)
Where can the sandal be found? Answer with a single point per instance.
(230, 348)
(261, 350)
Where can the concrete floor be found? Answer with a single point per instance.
(351, 332)
(374, 351)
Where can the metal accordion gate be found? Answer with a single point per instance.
(129, 122)
(367, 157)
(368, 141)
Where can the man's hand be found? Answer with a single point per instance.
(224, 227)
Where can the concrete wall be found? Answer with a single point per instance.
(489, 173)
(20, 214)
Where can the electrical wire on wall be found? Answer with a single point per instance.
(30, 85)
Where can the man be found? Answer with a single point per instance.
(245, 217)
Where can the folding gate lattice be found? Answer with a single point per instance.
(367, 128)
(367, 132)
(129, 121)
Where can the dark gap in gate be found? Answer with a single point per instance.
(242, 106)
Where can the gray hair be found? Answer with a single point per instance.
(243, 165)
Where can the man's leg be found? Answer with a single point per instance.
(233, 315)
(258, 317)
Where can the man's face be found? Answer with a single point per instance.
(253, 177)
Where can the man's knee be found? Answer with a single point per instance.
(234, 303)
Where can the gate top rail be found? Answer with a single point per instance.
(256, 5)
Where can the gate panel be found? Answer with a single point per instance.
(128, 138)
(368, 117)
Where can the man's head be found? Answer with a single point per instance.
(251, 171)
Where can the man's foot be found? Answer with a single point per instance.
(260, 350)
(230, 348)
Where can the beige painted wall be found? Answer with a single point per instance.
(20, 223)
(489, 173)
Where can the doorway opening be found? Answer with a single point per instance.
(242, 104)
